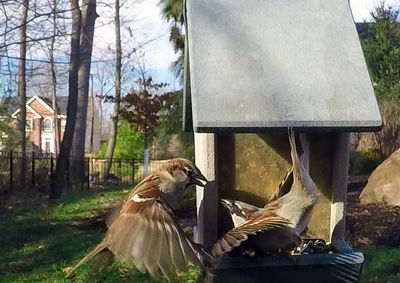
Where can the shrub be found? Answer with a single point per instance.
(363, 162)
(386, 141)
(130, 144)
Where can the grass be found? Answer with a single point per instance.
(38, 242)
(381, 265)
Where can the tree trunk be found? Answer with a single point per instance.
(21, 123)
(114, 126)
(92, 120)
(59, 179)
(56, 126)
(86, 43)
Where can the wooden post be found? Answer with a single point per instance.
(146, 163)
(33, 168)
(339, 191)
(207, 198)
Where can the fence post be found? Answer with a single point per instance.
(133, 171)
(68, 183)
(82, 177)
(119, 170)
(88, 172)
(11, 170)
(51, 167)
(33, 168)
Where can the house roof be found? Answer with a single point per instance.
(259, 65)
(11, 104)
(62, 103)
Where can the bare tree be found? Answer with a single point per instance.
(21, 123)
(56, 128)
(118, 66)
(102, 77)
(59, 180)
(86, 44)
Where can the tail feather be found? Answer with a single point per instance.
(88, 257)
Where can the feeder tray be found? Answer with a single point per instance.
(336, 267)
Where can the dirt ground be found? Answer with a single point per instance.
(372, 225)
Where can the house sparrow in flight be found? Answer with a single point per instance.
(279, 224)
(144, 232)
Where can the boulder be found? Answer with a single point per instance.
(384, 183)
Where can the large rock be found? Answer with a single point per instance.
(384, 183)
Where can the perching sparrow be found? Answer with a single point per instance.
(144, 231)
(277, 225)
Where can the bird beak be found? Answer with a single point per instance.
(197, 180)
(201, 177)
(227, 204)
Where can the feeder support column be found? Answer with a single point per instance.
(339, 191)
(207, 198)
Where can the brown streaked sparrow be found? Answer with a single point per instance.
(144, 232)
(279, 224)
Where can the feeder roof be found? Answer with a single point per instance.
(260, 64)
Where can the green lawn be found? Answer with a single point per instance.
(37, 241)
(381, 265)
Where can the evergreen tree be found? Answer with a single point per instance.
(382, 51)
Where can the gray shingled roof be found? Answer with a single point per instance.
(62, 103)
(258, 65)
(11, 104)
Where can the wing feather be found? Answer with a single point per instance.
(165, 258)
(146, 234)
(150, 249)
(283, 187)
(234, 238)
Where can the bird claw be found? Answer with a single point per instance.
(292, 256)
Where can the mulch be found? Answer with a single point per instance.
(372, 225)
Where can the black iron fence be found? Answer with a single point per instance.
(81, 173)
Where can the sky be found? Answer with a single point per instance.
(361, 8)
(149, 23)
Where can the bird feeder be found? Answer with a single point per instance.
(252, 69)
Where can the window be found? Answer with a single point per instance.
(47, 125)
(29, 124)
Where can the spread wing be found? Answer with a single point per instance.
(301, 176)
(143, 188)
(267, 221)
(146, 234)
(283, 187)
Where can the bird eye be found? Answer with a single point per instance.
(189, 172)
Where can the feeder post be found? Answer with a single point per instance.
(339, 191)
(207, 197)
